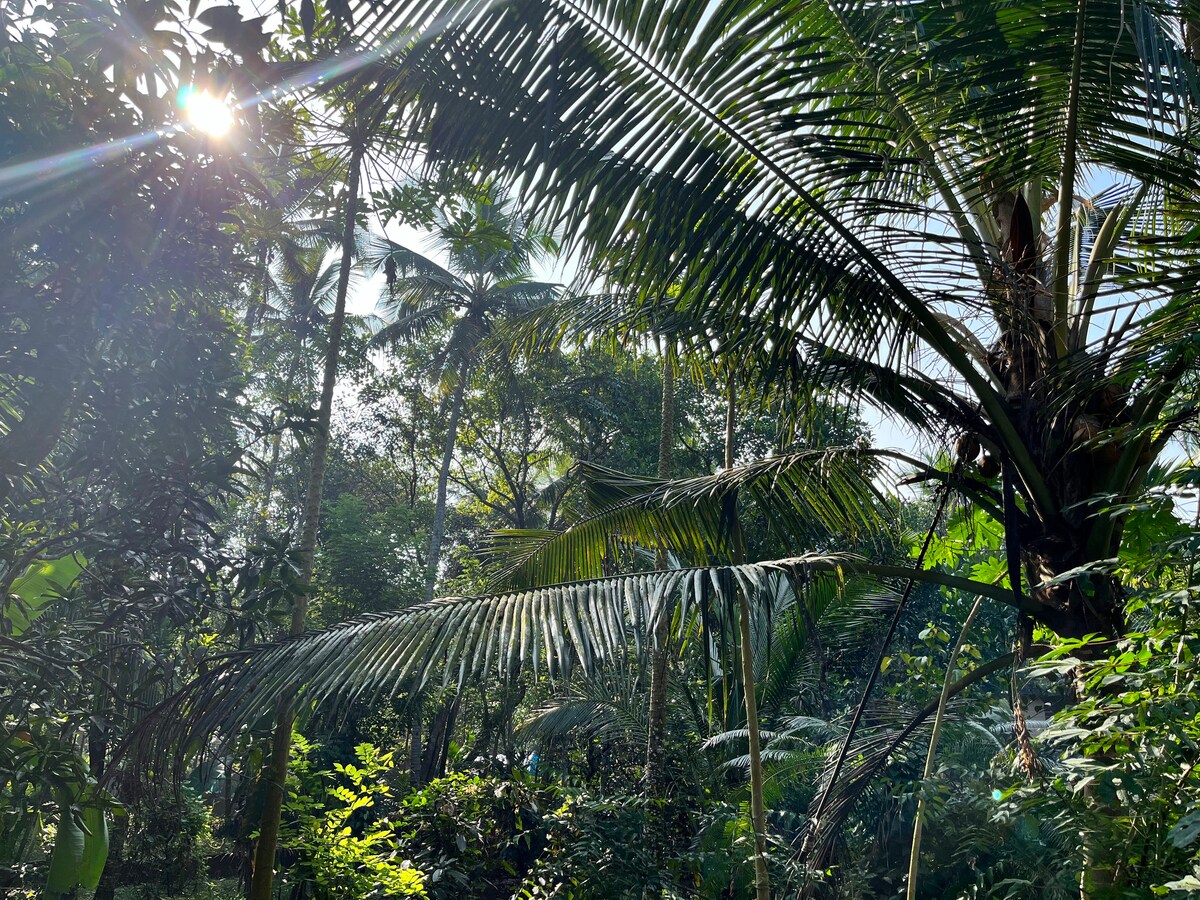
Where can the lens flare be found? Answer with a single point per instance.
(204, 112)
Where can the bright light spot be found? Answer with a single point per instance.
(205, 112)
(997, 795)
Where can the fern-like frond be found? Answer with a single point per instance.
(557, 628)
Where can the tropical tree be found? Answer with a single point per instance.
(879, 201)
(488, 251)
(979, 218)
(1060, 317)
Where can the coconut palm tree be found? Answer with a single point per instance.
(977, 216)
(486, 279)
(894, 202)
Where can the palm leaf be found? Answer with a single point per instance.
(807, 495)
(583, 625)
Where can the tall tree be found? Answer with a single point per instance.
(486, 277)
(904, 189)
(281, 740)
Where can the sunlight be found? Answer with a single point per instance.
(205, 112)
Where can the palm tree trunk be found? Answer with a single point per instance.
(276, 773)
(268, 485)
(758, 808)
(254, 309)
(914, 859)
(439, 510)
(657, 713)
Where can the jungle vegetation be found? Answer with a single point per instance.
(593, 448)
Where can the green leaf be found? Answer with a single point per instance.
(42, 583)
(95, 847)
(1185, 832)
(67, 857)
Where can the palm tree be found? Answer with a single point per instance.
(978, 217)
(275, 771)
(582, 619)
(296, 292)
(887, 201)
(892, 201)
(487, 279)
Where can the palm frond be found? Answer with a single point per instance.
(607, 703)
(583, 625)
(807, 495)
(378, 252)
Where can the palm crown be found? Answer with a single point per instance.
(885, 201)
(486, 279)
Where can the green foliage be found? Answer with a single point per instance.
(477, 836)
(1121, 760)
(344, 850)
(169, 841)
(44, 581)
(595, 848)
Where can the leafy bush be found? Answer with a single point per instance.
(596, 847)
(478, 835)
(169, 842)
(344, 852)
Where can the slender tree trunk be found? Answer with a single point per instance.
(914, 858)
(268, 485)
(660, 654)
(758, 808)
(276, 772)
(414, 743)
(439, 511)
(254, 309)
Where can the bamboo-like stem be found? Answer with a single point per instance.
(913, 575)
(438, 533)
(275, 775)
(914, 859)
(660, 651)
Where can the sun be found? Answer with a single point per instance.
(205, 112)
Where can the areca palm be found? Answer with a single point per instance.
(486, 278)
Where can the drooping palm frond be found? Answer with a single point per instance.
(559, 628)
(607, 703)
(809, 495)
(828, 619)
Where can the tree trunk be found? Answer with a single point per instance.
(257, 304)
(758, 808)
(660, 653)
(914, 858)
(275, 774)
(439, 510)
(414, 743)
(268, 484)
